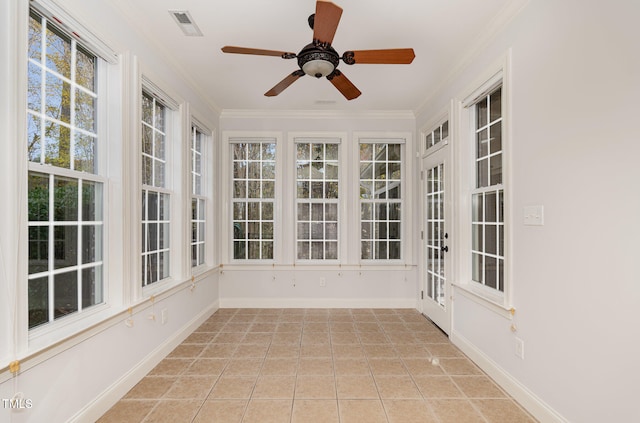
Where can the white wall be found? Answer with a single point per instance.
(575, 150)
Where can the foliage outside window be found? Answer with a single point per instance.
(487, 226)
(65, 190)
(380, 201)
(254, 173)
(317, 200)
(155, 196)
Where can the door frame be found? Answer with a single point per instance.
(430, 157)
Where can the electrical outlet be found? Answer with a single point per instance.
(165, 315)
(520, 348)
(323, 282)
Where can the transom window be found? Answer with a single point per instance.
(155, 196)
(65, 190)
(487, 224)
(435, 137)
(380, 201)
(254, 174)
(317, 182)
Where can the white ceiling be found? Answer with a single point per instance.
(443, 33)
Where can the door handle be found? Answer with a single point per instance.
(444, 248)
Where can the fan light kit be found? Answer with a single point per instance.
(319, 59)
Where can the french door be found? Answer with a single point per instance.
(436, 238)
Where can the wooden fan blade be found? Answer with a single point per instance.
(326, 21)
(282, 85)
(259, 52)
(348, 90)
(400, 56)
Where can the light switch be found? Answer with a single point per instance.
(534, 215)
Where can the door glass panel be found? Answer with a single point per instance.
(435, 241)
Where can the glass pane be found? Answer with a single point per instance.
(254, 211)
(34, 138)
(34, 87)
(239, 151)
(58, 57)
(84, 153)
(366, 211)
(303, 250)
(152, 205)
(481, 113)
(239, 230)
(477, 241)
(317, 250)
(495, 137)
(331, 251)
(394, 250)
(65, 199)
(268, 151)
(366, 231)
(85, 111)
(253, 189)
(267, 250)
(159, 173)
(303, 211)
(317, 230)
(92, 292)
(91, 243)
(254, 170)
(159, 115)
(58, 98)
(91, 201)
(65, 293)
(268, 189)
(496, 104)
(490, 207)
(85, 69)
(331, 152)
(366, 152)
(38, 301)
(303, 151)
(147, 170)
(239, 189)
(268, 170)
(254, 250)
(331, 212)
(239, 250)
(366, 250)
(445, 130)
(331, 231)
(254, 151)
(163, 265)
(239, 211)
(496, 169)
(394, 230)
(38, 249)
(147, 109)
(476, 266)
(267, 211)
(395, 152)
(317, 212)
(304, 231)
(366, 189)
(253, 230)
(491, 241)
(490, 272)
(57, 145)
(38, 197)
(482, 178)
(267, 230)
(482, 143)
(477, 207)
(35, 38)
(381, 252)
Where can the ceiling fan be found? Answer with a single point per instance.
(320, 59)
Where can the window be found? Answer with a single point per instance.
(439, 134)
(65, 187)
(198, 199)
(254, 174)
(487, 197)
(380, 201)
(317, 199)
(155, 196)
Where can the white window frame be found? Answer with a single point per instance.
(203, 197)
(404, 140)
(328, 139)
(497, 75)
(262, 138)
(106, 71)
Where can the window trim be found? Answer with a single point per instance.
(239, 137)
(406, 141)
(499, 74)
(317, 138)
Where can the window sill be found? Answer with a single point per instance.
(490, 300)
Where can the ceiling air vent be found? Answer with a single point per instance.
(185, 22)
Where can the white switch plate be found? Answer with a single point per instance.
(534, 215)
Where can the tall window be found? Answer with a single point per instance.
(317, 200)
(155, 195)
(380, 201)
(198, 199)
(487, 224)
(65, 188)
(254, 173)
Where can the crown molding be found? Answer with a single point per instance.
(317, 114)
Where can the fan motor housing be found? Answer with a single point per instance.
(314, 52)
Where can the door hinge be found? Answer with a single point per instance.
(422, 295)
(422, 175)
(422, 235)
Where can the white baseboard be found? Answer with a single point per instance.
(101, 404)
(527, 399)
(318, 303)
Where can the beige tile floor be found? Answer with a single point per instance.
(316, 365)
